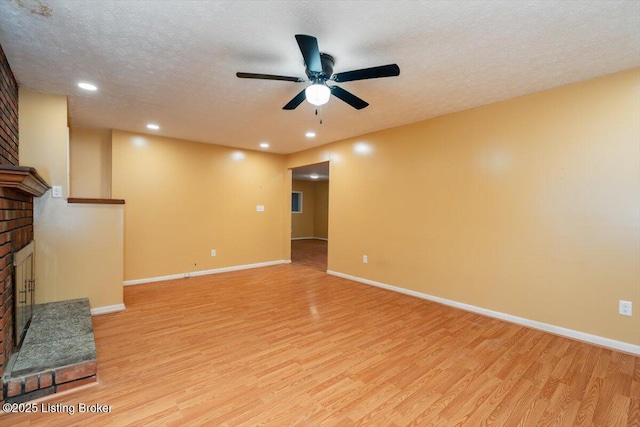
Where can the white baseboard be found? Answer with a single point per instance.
(558, 330)
(310, 238)
(107, 309)
(203, 272)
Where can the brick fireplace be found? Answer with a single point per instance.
(37, 367)
(16, 209)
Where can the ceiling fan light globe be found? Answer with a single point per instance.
(317, 94)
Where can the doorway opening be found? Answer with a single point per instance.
(310, 215)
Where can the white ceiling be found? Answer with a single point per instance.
(174, 62)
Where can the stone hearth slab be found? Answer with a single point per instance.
(58, 350)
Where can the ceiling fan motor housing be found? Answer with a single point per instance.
(327, 62)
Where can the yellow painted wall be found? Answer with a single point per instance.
(90, 162)
(528, 207)
(302, 224)
(321, 211)
(43, 134)
(78, 247)
(313, 220)
(186, 198)
(285, 234)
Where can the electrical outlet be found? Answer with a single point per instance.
(213, 252)
(365, 259)
(56, 191)
(624, 308)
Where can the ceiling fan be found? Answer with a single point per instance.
(319, 70)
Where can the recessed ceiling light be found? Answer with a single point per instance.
(314, 176)
(153, 126)
(264, 144)
(87, 86)
(310, 134)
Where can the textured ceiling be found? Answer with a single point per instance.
(174, 62)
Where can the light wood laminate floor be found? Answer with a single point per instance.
(289, 345)
(311, 253)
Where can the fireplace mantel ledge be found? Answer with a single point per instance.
(23, 178)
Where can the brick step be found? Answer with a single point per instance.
(58, 352)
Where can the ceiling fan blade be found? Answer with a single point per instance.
(297, 100)
(348, 97)
(368, 73)
(310, 52)
(269, 77)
